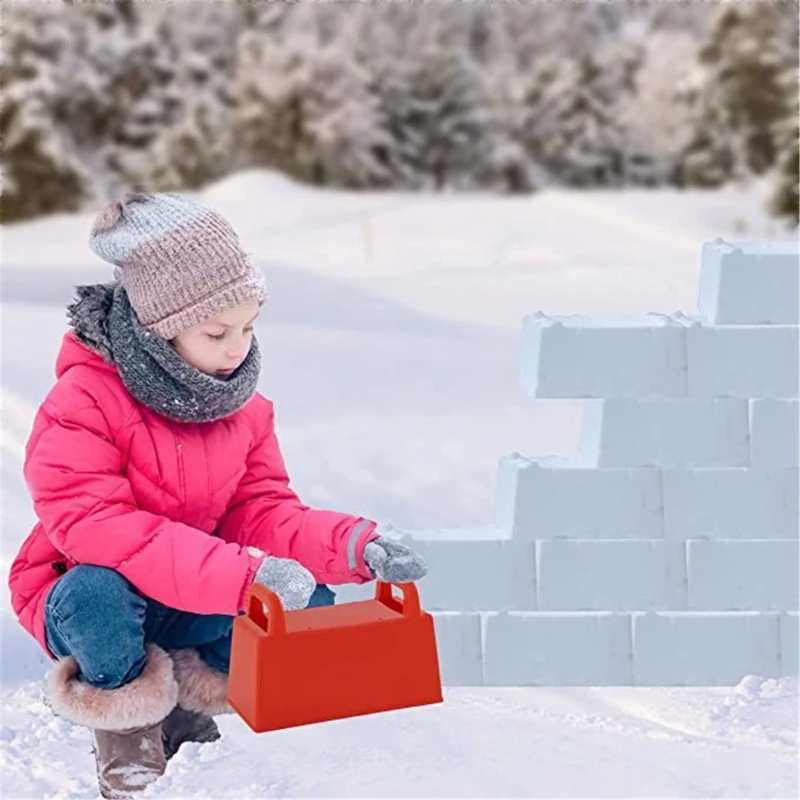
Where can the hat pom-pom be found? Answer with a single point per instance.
(112, 213)
(108, 217)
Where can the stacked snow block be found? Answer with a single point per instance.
(666, 553)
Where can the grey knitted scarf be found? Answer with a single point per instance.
(150, 368)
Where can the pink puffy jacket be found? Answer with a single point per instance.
(170, 506)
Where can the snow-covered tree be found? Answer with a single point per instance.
(507, 166)
(653, 115)
(115, 89)
(785, 201)
(426, 95)
(101, 95)
(741, 101)
(42, 168)
(183, 121)
(308, 111)
(139, 76)
(104, 96)
(441, 116)
(573, 125)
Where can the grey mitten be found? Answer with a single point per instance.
(393, 562)
(289, 579)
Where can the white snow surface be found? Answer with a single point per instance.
(390, 349)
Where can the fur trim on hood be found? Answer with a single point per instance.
(89, 314)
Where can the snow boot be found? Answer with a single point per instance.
(202, 693)
(186, 726)
(125, 722)
(127, 761)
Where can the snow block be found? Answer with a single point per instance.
(743, 575)
(774, 433)
(622, 432)
(695, 648)
(749, 283)
(458, 641)
(477, 575)
(353, 592)
(747, 361)
(536, 499)
(574, 356)
(734, 503)
(537, 648)
(610, 575)
(790, 643)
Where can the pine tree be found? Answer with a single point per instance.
(513, 96)
(740, 105)
(653, 114)
(442, 120)
(191, 141)
(785, 201)
(508, 167)
(118, 90)
(308, 111)
(42, 170)
(146, 102)
(573, 128)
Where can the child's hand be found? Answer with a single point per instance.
(289, 579)
(394, 562)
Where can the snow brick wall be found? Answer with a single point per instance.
(666, 554)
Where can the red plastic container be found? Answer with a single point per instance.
(291, 668)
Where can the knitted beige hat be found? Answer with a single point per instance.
(179, 262)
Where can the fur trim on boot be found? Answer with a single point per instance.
(146, 700)
(201, 688)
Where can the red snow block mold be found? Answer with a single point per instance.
(291, 668)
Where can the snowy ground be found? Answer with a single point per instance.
(539, 742)
(390, 350)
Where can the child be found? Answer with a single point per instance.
(162, 496)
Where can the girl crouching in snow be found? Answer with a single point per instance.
(161, 493)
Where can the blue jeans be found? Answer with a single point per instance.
(97, 616)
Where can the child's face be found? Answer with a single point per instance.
(220, 344)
